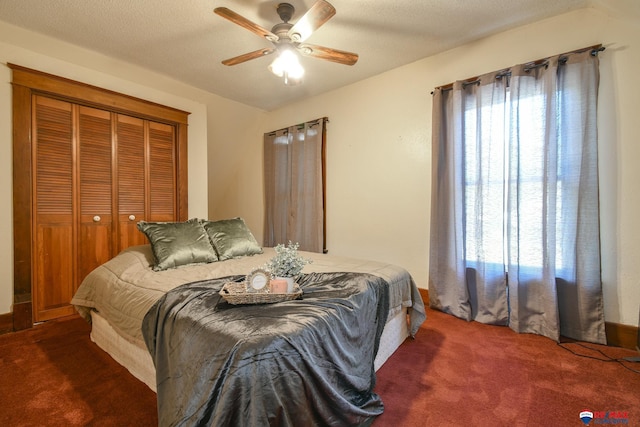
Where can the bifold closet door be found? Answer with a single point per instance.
(162, 172)
(146, 177)
(73, 198)
(53, 199)
(131, 179)
(95, 195)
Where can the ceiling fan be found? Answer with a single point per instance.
(287, 36)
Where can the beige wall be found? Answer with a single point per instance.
(379, 146)
(206, 121)
(235, 165)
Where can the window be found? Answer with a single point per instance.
(515, 215)
(490, 179)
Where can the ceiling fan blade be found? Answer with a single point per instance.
(245, 23)
(319, 13)
(248, 56)
(329, 54)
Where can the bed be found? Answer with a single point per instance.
(324, 378)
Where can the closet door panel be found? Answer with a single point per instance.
(95, 238)
(131, 182)
(162, 172)
(53, 197)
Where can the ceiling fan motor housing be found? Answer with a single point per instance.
(285, 11)
(282, 30)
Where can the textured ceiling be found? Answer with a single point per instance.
(185, 40)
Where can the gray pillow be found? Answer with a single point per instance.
(231, 238)
(178, 243)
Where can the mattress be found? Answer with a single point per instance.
(116, 296)
(136, 358)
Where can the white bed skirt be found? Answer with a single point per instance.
(136, 358)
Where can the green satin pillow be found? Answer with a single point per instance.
(178, 243)
(231, 238)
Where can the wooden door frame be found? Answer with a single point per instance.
(27, 82)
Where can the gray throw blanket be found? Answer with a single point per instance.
(297, 363)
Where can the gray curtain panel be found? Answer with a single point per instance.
(515, 215)
(294, 206)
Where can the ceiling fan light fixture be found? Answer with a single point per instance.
(288, 66)
(287, 39)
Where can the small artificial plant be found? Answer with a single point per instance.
(287, 262)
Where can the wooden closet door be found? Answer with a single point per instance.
(53, 205)
(131, 180)
(162, 172)
(95, 238)
(147, 176)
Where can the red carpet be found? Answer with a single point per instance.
(454, 374)
(53, 375)
(468, 374)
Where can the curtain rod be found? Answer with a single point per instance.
(595, 49)
(300, 125)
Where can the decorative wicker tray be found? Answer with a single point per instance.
(236, 293)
